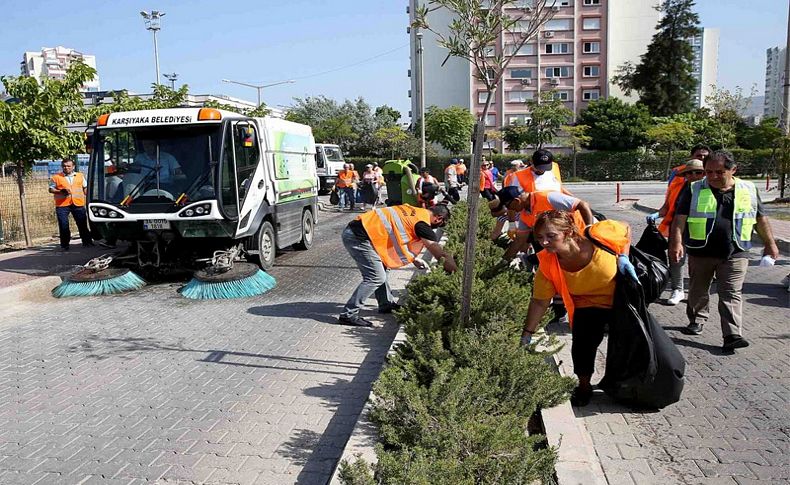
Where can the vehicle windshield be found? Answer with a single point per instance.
(333, 154)
(155, 164)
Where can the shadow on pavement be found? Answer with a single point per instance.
(318, 311)
(713, 349)
(48, 260)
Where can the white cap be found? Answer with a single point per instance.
(517, 162)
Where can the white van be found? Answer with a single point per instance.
(328, 162)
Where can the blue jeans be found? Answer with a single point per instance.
(346, 197)
(80, 217)
(374, 275)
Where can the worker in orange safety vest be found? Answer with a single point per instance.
(70, 189)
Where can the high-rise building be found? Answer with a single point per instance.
(576, 53)
(53, 62)
(774, 81)
(705, 64)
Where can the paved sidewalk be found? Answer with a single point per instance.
(732, 424)
(22, 266)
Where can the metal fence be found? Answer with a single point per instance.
(40, 208)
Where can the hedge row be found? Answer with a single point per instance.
(600, 165)
(452, 404)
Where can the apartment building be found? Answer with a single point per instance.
(53, 62)
(576, 53)
(774, 80)
(705, 64)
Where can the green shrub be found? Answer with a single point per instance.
(452, 403)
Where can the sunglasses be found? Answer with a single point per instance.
(695, 172)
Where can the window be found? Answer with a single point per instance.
(520, 73)
(563, 48)
(592, 71)
(245, 150)
(482, 95)
(526, 50)
(591, 47)
(592, 2)
(558, 24)
(519, 96)
(591, 23)
(563, 71)
(591, 94)
(491, 120)
(562, 95)
(520, 119)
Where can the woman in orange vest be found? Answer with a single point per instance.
(69, 188)
(584, 275)
(487, 187)
(388, 238)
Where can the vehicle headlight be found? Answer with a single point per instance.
(199, 210)
(189, 212)
(102, 212)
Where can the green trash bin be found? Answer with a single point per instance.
(400, 176)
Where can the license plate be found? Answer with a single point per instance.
(330, 180)
(156, 224)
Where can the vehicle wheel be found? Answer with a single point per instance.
(308, 231)
(267, 247)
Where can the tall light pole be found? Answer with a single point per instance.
(421, 98)
(153, 23)
(786, 84)
(172, 78)
(259, 87)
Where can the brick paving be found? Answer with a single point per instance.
(150, 387)
(732, 424)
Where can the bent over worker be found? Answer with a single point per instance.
(388, 238)
(69, 188)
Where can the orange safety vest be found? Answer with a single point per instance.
(673, 191)
(460, 169)
(508, 177)
(486, 176)
(612, 234)
(391, 232)
(538, 204)
(526, 177)
(345, 178)
(76, 192)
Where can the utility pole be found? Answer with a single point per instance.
(786, 83)
(153, 23)
(172, 78)
(421, 97)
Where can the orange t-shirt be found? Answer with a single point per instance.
(591, 286)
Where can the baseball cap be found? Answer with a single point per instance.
(504, 196)
(542, 160)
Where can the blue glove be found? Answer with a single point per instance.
(526, 339)
(652, 217)
(625, 267)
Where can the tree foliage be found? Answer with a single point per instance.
(516, 135)
(163, 97)
(615, 125)
(394, 142)
(663, 78)
(449, 127)
(547, 115)
(764, 135)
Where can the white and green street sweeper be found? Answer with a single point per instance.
(201, 188)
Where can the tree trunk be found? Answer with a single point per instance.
(473, 198)
(20, 180)
(669, 161)
(574, 162)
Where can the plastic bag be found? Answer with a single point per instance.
(334, 197)
(653, 242)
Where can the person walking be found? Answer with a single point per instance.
(585, 276)
(461, 170)
(487, 187)
(714, 220)
(691, 171)
(70, 189)
(368, 187)
(345, 187)
(451, 182)
(389, 238)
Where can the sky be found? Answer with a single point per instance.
(363, 42)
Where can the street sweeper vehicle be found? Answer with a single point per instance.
(201, 189)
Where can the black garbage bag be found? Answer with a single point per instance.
(653, 242)
(651, 271)
(643, 366)
(334, 197)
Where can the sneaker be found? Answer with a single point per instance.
(389, 307)
(581, 397)
(354, 321)
(693, 329)
(732, 342)
(675, 298)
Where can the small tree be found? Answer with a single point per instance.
(726, 107)
(476, 27)
(34, 125)
(671, 135)
(576, 139)
(663, 78)
(395, 142)
(615, 125)
(450, 127)
(516, 135)
(548, 113)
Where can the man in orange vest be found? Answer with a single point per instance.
(69, 188)
(388, 238)
(345, 187)
(461, 171)
(542, 175)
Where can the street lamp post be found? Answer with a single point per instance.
(421, 99)
(258, 87)
(172, 78)
(153, 23)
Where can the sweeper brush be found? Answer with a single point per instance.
(225, 279)
(97, 278)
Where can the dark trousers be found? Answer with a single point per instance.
(80, 217)
(487, 194)
(453, 195)
(587, 334)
